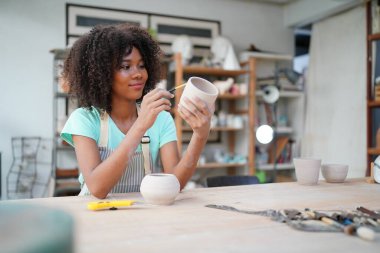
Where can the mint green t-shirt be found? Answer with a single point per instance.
(86, 122)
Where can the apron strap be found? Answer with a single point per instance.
(145, 140)
(145, 148)
(103, 142)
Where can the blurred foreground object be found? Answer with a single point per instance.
(35, 229)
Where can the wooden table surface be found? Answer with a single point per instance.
(189, 226)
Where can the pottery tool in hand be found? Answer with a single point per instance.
(175, 88)
(110, 205)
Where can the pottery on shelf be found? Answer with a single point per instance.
(160, 188)
(225, 85)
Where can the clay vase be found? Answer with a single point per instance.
(307, 170)
(201, 88)
(159, 188)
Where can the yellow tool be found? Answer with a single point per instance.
(112, 204)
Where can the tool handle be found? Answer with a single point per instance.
(109, 204)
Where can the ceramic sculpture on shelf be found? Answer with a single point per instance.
(182, 44)
(224, 54)
(224, 85)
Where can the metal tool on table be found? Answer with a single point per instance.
(351, 223)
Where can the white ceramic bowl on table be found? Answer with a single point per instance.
(334, 173)
(160, 188)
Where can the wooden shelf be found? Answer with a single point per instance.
(65, 147)
(375, 36)
(231, 133)
(373, 103)
(221, 165)
(373, 151)
(68, 183)
(283, 130)
(198, 70)
(231, 96)
(66, 173)
(59, 53)
(62, 95)
(221, 129)
(266, 56)
(279, 166)
(283, 94)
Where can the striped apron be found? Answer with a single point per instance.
(139, 164)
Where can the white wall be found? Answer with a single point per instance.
(303, 12)
(30, 28)
(336, 99)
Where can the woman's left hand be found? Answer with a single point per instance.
(198, 115)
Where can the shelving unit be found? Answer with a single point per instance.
(231, 100)
(290, 105)
(65, 169)
(373, 105)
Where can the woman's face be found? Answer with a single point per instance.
(130, 78)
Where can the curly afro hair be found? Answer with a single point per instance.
(90, 65)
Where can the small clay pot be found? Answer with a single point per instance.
(160, 188)
(307, 170)
(201, 88)
(335, 173)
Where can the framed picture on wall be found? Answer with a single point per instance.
(200, 31)
(80, 19)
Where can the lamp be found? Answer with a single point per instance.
(264, 134)
(271, 94)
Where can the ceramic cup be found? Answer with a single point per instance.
(160, 188)
(307, 170)
(334, 173)
(201, 88)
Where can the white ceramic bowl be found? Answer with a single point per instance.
(159, 188)
(334, 173)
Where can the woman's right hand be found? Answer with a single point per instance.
(152, 104)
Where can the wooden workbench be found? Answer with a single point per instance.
(189, 226)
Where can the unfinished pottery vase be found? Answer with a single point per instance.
(200, 88)
(160, 188)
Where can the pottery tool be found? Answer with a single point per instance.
(371, 213)
(365, 233)
(175, 88)
(362, 232)
(111, 205)
(313, 221)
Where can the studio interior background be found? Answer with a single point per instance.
(333, 122)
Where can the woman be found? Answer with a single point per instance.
(111, 70)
